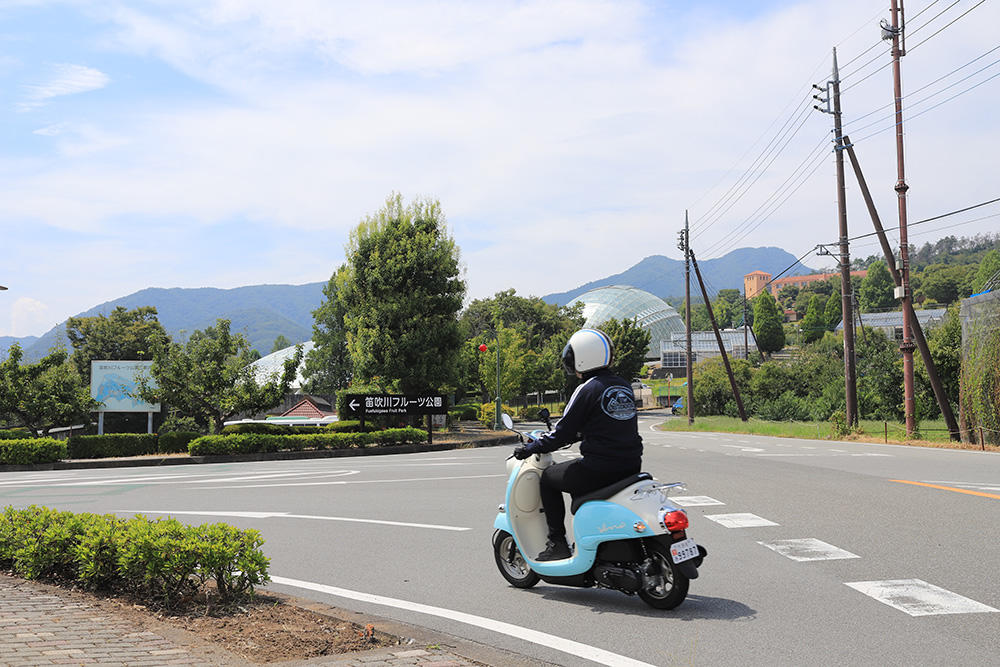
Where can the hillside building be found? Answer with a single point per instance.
(755, 281)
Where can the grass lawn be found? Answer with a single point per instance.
(932, 433)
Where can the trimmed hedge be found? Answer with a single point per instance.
(31, 450)
(254, 443)
(175, 442)
(14, 434)
(161, 561)
(112, 444)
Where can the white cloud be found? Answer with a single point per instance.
(29, 316)
(65, 80)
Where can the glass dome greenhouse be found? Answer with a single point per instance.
(625, 302)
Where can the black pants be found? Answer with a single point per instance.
(576, 479)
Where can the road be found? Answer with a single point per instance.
(819, 552)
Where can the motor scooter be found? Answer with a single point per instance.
(627, 536)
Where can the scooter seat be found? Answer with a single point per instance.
(608, 491)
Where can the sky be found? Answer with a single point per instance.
(221, 143)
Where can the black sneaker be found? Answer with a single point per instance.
(555, 550)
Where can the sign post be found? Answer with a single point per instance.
(113, 385)
(364, 405)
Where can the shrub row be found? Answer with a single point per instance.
(161, 561)
(31, 450)
(128, 444)
(14, 434)
(254, 443)
(352, 426)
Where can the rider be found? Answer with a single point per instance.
(601, 414)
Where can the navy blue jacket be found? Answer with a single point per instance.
(601, 415)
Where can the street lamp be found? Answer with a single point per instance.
(497, 424)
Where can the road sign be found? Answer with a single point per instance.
(368, 405)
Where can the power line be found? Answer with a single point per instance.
(928, 85)
(936, 217)
(947, 25)
(812, 155)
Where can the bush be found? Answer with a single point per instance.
(787, 407)
(255, 443)
(174, 423)
(488, 410)
(464, 412)
(15, 434)
(156, 561)
(175, 442)
(349, 426)
(276, 429)
(31, 450)
(113, 444)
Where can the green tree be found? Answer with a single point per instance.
(44, 394)
(876, 289)
(280, 343)
(833, 313)
(728, 308)
(813, 325)
(988, 270)
(713, 394)
(631, 344)
(767, 323)
(537, 320)
(945, 344)
(517, 360)
(209, 378)
(402, 293)
(880, 377)
(943, 283)
(123, 335)
(328, 365)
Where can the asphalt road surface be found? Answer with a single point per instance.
(819, 552)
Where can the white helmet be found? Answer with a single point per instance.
(587, 350)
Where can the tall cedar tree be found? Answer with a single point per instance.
(402, 294)
(813, 325)
(767, 323)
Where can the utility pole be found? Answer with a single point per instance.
(718, 338)
(903, 292)
(915, 328)
(844, 261)
(746, 340)
(685, 246)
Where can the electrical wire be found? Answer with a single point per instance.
(936, 217)
(960, 16)
(812, 155)
(928, 85)
(921, 113)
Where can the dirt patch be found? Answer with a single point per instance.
(271, 630)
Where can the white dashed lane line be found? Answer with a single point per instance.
(808, 549)
(918, 598)
(742, 520)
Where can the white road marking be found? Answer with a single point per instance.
(977, 486)
(203, 479)
(568, 646)
(286, 515)
(808, 549)
(745, 449)
(695, 501)
(740, 520)
(354, 481)
(918, 598)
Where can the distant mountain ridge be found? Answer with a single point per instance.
(260, 312)
(664, 277)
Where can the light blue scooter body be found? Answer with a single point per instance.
(596, 521)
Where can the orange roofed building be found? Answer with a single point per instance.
(755, 281)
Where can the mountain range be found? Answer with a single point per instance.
(263, 312)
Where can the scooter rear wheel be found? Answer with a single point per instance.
(511, 563)
(675, 585)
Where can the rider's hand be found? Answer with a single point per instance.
(523, 452)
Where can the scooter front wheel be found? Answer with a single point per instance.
(511, 563)
(673, 586)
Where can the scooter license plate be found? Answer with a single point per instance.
(683, 550)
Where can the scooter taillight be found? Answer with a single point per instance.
(676, 520)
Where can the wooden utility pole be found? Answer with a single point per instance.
(718, 338)
(903, 292)
(686, 241)
(846, 288)
(915, 328)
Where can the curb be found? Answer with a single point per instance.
(418, 636)
(148, 461)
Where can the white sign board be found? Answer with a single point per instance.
(113, 384)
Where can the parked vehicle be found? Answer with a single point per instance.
(628, 536)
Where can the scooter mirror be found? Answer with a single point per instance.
(544, 414)
(508, 423)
